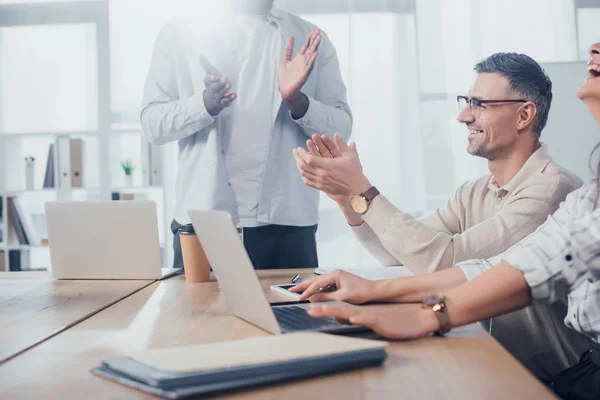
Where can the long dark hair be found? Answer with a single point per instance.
(597, 172)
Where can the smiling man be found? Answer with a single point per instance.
(504, 115)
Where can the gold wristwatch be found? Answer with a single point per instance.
(436, 302)
(360, 202)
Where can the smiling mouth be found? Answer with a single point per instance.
(475, 131)
(593, 71)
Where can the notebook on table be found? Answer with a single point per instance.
(204, 369)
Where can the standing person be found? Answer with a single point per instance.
(236, 91)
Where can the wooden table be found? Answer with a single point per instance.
(35, 307)
(467, 365)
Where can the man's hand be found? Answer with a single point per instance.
(338, 176)
(406, 321)
(216, 95)
(337, 286)
(323, 146)
(293, 73)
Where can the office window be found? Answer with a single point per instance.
(48, 78)
(588, 32)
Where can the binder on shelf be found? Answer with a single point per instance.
(16, 221)
(49, 176)
(122, 196)
(14, 260)
(76, 162)
(27, 222)
(64, 161)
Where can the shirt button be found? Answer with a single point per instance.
(228, 183)
(223, 152)
(307, 123)
(568, 257)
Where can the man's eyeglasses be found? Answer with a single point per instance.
(477, 104)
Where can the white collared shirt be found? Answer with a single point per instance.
(173, 110)
(258, 44)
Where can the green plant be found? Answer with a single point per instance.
(29, 161)
(127, 166)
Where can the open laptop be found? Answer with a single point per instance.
(105, 240)
(241, 287)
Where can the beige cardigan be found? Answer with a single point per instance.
(482, 220)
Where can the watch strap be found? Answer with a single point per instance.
(370, 193)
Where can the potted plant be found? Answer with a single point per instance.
(128, 168)
(29, 166)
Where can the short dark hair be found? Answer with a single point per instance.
(526, 78)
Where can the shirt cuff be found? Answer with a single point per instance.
(473, 268)
(363, 233)
(539, 274)
(380, 214)
(311, 122)
(196, 111)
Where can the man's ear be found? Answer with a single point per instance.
(526, 115)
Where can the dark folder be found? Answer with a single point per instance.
(213, 368)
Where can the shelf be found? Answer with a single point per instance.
(29, 135)
(12, 193)
(133, 130)
(134, 189)
(22, 246)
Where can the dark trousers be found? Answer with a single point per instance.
(270, 247)
(582, 380)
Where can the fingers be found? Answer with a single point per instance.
(340, 311)
(316, 40)
(289, 48)
(310, 63)
(208, 79)
(364, 319)
(312, 286)
(307, 42)
(353, 147)
(228, 100)
(322, 150)
(326, 296)
(312, 148)
(311, 161)
(330, 146)
(215, 86)
(339, 142)
(308, 177)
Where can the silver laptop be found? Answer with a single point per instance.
(241, 287)
(104, 240)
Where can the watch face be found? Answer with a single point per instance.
(432, 299)
(359, 204)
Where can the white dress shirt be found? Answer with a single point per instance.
(258, 44)
(560, 262)
(173, 110)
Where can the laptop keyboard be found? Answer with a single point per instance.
(294, 318)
